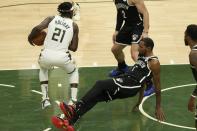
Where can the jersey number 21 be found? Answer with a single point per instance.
(58, 35)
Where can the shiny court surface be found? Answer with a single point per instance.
(168, 20)
(21, 107)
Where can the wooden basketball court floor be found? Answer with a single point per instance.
(168, 20)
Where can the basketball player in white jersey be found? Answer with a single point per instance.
(61, 37)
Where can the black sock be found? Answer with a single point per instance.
(122, 65)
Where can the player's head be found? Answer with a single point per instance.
(145, 45)
(65, 9)
(190, 34)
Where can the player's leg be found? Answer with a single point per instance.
(118, 53)
(73, 75)
(123, 39)
(101, 91)
(134, 51)
(43, 76)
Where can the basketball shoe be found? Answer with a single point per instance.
(45, 103)
(61, 123)
(118, 71)
(68, 110)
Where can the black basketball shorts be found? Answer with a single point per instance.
(129, 34)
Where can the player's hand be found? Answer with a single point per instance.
(30, 41)
(135, 108)
(114, 36)
(191, 104)
(159, 114)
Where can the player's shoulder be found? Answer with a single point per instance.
(193, 54)
(50, 18)
(154, 62)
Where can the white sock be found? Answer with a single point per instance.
(73, 92)
(44, 88)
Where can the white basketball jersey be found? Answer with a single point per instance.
(60, 34)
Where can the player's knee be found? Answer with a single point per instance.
(115, 50)
(74, 76)
(98, 84)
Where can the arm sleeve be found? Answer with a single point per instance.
(119, 20)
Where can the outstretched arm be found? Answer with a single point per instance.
(43, 25)
(140, 98)
(155, 68)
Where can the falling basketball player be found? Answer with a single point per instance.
(127, 85)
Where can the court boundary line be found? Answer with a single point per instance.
(165, 123)
(37, 92)
(16, 69)
(6, 85)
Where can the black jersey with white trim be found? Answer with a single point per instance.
(140, 70)
(137, 74)
(129, 13)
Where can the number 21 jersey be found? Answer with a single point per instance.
(60, 34)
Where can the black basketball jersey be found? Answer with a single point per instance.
(140, 70)
(129, 13)
(194, 48)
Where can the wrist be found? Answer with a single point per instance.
(145, 31)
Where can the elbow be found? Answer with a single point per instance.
(73, 49)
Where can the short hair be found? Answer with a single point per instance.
(65, 8)
(148, 42)
(191, 31)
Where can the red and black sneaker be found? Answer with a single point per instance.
(61, 123)
(68, 110)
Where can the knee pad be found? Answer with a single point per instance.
(74, 76)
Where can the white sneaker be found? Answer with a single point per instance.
(45, 103)
(76, 15)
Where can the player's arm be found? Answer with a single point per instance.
(74, 43)
(140, 98)
(155, 68)
(43, 25)
(143, 10)
(193, 62)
